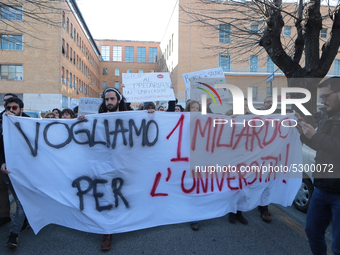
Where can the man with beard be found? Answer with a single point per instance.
(14, 106)
(325, 202)
(112, 102)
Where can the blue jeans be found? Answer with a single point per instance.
(323, 207)
(19, 217)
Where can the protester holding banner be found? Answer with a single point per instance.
(14, 106)
(238, 215)
(4, 200)
(112, 102)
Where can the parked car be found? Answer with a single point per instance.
(34, 114)
(304, 195)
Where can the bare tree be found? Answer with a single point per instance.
(300, 57)
(26, 16)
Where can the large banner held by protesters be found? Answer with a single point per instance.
(119, 172)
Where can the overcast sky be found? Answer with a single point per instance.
(127, 20)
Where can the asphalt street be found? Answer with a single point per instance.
(285, 235)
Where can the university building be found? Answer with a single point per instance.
(50, 63)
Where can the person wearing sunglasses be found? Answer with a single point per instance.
(14, 106)
(4, 198)
(50, 115)
(324, 206)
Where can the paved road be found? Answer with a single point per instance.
(285, 235)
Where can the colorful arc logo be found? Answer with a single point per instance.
(209, 93)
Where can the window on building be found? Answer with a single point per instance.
(72, 30)
(224, 62)
(270, 65)
(74, 34)
(74, 81)
(287, 31)
(254, 29)
(11, 12)
(66, 77)
(71, 79)
(141, 54)
(254, 63)
(104, 84)
(116, 71)
(63, 22)
(11, 72)
(337, 67)
(11, 42)
(64, 102)
(140, 71)
(62, 74)
(254, 93)
(224, 33)
(324, 33)
(153, 54)
(128, 70)
(68, 25)
(77, 39)
(104, 71)
(117, 84)
(105, 51)
(63, 47)
(74, 58)
(67, 51)
(129, 54)
(268, 92)
(71, 55)
(172, 43)
(117, 53)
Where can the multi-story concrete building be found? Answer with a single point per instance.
(126, 57)
(48, 63)
(190, 46)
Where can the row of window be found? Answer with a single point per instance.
(129, 54)
(75, 59)
(117, 71)
(225, 63)
(169, 48)
(225, 32)
(75, 36)
(105, 84)
(73, 81)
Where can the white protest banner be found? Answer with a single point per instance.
(203, 79)
(144, 87)
(118, 172)
(89, 105)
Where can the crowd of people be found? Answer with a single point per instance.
(324, 205)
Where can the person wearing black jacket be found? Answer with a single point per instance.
(325, 202)
(14, 106)
(4, 200)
